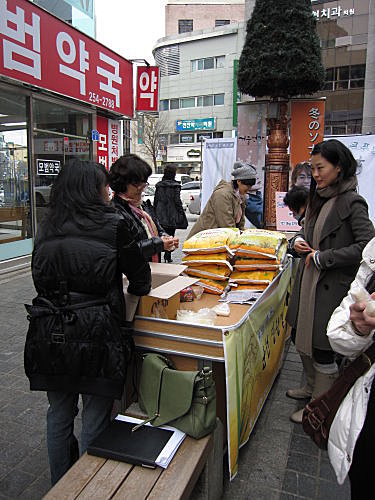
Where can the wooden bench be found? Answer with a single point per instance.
(94, 477)
(12, 214)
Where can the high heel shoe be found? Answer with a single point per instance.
(168, 260)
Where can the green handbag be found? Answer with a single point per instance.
(182, 399)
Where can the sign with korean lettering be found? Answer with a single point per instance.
(333, 12)
(38, 49)
(306, 128)
(109, 145)
(196, 124)
(47, 167)
(147, 88)
(284, 217)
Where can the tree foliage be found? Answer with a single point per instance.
(281, 56)
(153, 127)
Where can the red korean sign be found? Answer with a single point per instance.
(109, 145)
(147, 88)
(38, 49)
(306, 128)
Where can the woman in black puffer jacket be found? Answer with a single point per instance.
(128, 178)
(168, 205)
(77, 342)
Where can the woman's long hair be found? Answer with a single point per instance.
(338, 154)
(76, 195)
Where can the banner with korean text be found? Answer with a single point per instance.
(253, 355)
(306, 128)
(39, 49)
(219, 156)
(109, 145)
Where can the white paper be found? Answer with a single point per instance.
(169, 450)
(241, 296)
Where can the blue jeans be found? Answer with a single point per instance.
(254, 209)
(61, 441)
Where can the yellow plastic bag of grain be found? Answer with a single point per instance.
(252, 276)
(258, 287)
(210, 241)
(212, 286)
(259, 243)
(244, 264)
(219, 259)
(220, 273)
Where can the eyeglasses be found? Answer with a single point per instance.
(139, 185)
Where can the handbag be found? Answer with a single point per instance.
(319, 413)
(183, 399)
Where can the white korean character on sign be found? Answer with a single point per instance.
(351, 12)
(325, 13)
(316, 13)
(336, 11)
(19, 35)
(70, 57)
(111, 77)
(150, 86)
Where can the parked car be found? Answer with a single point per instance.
(195, 204)
(189, 190)
(42, 195)
(149, 194)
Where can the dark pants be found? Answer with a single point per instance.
(171, 231)
(362, 468)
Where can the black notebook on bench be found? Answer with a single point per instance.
(141, 447)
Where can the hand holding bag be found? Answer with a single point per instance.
(319, 413)
(183, 399)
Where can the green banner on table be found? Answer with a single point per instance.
(253, 353)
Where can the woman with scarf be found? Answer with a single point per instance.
(336, 229)
(226, 206)
(128, 178)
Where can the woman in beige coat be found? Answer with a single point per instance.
(226, 206)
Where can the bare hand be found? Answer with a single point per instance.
(169, 245)
(309, 257)
(301, 246)
(361, 321)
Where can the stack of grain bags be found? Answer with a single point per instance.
(258, 257)
(209, 257)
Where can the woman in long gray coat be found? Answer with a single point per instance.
(337, 228)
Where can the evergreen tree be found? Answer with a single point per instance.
(281, 56)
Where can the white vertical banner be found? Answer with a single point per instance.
(363, 150)
(219, 156)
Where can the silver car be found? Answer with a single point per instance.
(188, 191)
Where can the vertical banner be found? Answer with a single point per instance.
(306, 128)
(253, 355)
(147, 88)
(251, 140)
(110, 143)
(363, 150)
(219, 156)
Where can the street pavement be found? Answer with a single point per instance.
(278, 462)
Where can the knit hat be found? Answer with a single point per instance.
(243, 171)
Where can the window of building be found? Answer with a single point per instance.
(187, 102)
(186, 138)
(218, 99)
(174, 103)
(185, 25)
(221, 22)
(218, 135)
(174, 138)
(204, 135)
(164, 105)
(208, 63)
(205, 100)
(345, 77)
(168, 60)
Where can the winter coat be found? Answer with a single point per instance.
(148, 246)
(77, 339)
(350, 417)
(168, 206)
(221, 210)
(344, 235)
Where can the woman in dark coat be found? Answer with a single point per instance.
(77, 342)
(168, 205)
(336, 229)
(128, 178)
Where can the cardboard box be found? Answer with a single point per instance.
(164, 297)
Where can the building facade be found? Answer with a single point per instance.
(198, 71)
(62, 96)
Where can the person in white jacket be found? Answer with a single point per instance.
(351, 331)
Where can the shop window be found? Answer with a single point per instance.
(15, 214)
(221, 22)
(164, 105)
(218, 99)
(218, 135)
(203, 136)
(174, 138)
(186, 138)
(185, 25)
